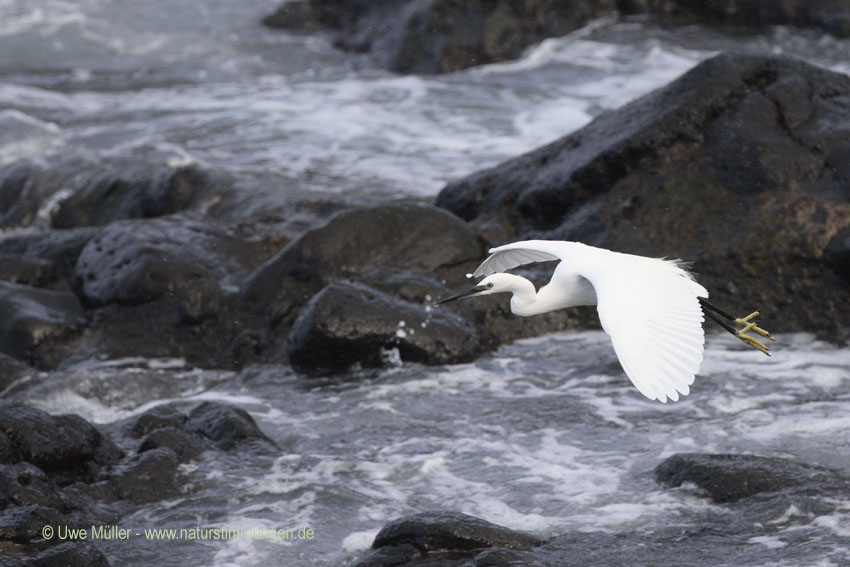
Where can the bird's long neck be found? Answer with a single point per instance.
(525, 300)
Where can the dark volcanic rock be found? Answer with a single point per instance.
(147, 477)
(184, 444)
(69, 193)
(439, 36)
(450, 531)
(26, 270)
(728, 478)
(412, 237)
(137, 261)
(20, 195)
(70, 554)
(440, 539)
(161, 329)
(837, 254)
(66, 446)
(61, 471)
(24, 484)
(115, 196)
(735, 165)
(831, 15)
(226, 426)
(164, 287)
(456, 540)
(669, 547)
(348, 323)
(44, 259)
(23, 524)
(157, 417)
(10, 370)
(30, 317)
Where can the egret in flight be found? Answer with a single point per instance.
(651, 308)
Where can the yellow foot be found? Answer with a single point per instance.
(748, 326)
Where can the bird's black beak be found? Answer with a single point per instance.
(470, 292)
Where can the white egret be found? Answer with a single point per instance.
(651, 308)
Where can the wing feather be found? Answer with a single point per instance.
(651, 312)
(647, 306)
(516, 254)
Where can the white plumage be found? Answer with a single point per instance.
(648, 306)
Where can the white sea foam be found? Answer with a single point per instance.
(22, 135)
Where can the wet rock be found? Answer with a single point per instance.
(837, 254)
(160, 329)
(438, 36)
(21, 196)
(31, 316)
(65, 446)
(450, 531)
(224, 425)
(117, 195)
(137, 261)
(27, 271)
(456, 540)
(11, 370)
(666, 547)
(164, 287)
(199, 300)
(406, 285)
(301, 15)
(157, 417)
(44, 259)
(349, 323)
(830, 15)
(417, 238)
(24, 484)
(185, 445)
(146, 477)
(728, 478)
(23, 524)
(8, 451)
(440, 538)
(65, 193)
(70, 554)
(728, 166)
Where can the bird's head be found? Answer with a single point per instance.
(495, 283)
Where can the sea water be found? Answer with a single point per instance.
(545, 435)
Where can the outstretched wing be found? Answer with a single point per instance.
(652, 313)
(519, 253)
(649, 307)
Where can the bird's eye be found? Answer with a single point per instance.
(489, 285)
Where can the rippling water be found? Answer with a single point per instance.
(545, 435)
(201, 81)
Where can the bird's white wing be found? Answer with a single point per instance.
(654, 319)
(518, 253)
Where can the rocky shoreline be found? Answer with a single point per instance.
(747, 488)
(742, 166)
(63, 471)
(739, 166)
(442, 36)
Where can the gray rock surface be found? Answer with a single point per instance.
(418, 238)
(31, 317)
(830, 15)
(136, 261)
(738, 165)
(349, 323)
(438, 36)
(728, 478)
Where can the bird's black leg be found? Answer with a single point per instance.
(728, 322)
(720, 321)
